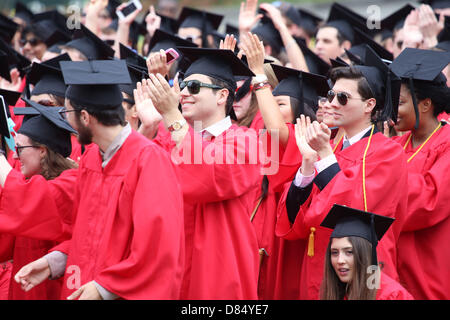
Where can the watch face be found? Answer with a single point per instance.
(176, 126)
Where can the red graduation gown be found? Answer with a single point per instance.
(385, 186)
(391, 290)
(423, 261)
(221, 247)
(279, 276)
(128, 232)
(43, 218)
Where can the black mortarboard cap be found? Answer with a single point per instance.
(136, 74)
(95, 84)
(51, 27)
(396, 19)
(132, 57)
(267, 32)
(216, 63)
(293, 14)
(47, 77)
(309, 21)
(304, 86)
(349, 222)
(8, 28)
(315, 64)
(163, 40)
(383, 83)
(417, 64)
(12, 59)
(232, 30)
(193, 18)
(207, 22)
(437, 4)
(362, 38)
(90, 45)
(23, 12)
(46, 125)
(338, 62)
(10, 97)
(4, 115)
(344, 20)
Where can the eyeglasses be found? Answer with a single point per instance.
(63, 113)
(195, 85)
(19, 149)
(342, 97)
(33, 42)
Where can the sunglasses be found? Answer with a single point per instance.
(194, 86)
(239, 88)
(33, 41)
(342, 97)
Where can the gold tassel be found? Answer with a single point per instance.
(311, 242)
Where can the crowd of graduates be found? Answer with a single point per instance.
(154, 156)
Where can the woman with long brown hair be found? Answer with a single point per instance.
(43, 145)
(351, 270)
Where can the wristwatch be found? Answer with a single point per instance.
(177, 125)
(259, 78)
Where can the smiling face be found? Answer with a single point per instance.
(406, 118)
(29, 157)
(342, 258)
(207, 106)
(355, 114)
(284, 103)
(33, 47)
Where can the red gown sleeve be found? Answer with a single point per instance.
(153, 268)
(37, 208)
(383, 188)
(428, 196)
(218, 170)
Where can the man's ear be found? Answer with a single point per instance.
(346, 45)
(85, 117)
(223, 96)
(370, 105)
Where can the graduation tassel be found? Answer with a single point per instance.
(311, 242)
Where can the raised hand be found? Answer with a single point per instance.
(157, 63)
(274, 14)
(33, 274)
(300, 137)
(164, 98)
(253, 48)
(247, 15)
(128, 20)
(429, 25)
(153, 21)
(229, 43)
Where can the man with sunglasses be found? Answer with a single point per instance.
(364, 170)
(220, 183)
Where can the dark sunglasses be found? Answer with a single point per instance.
(342, 97)
(33, 41)
(195, 85)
